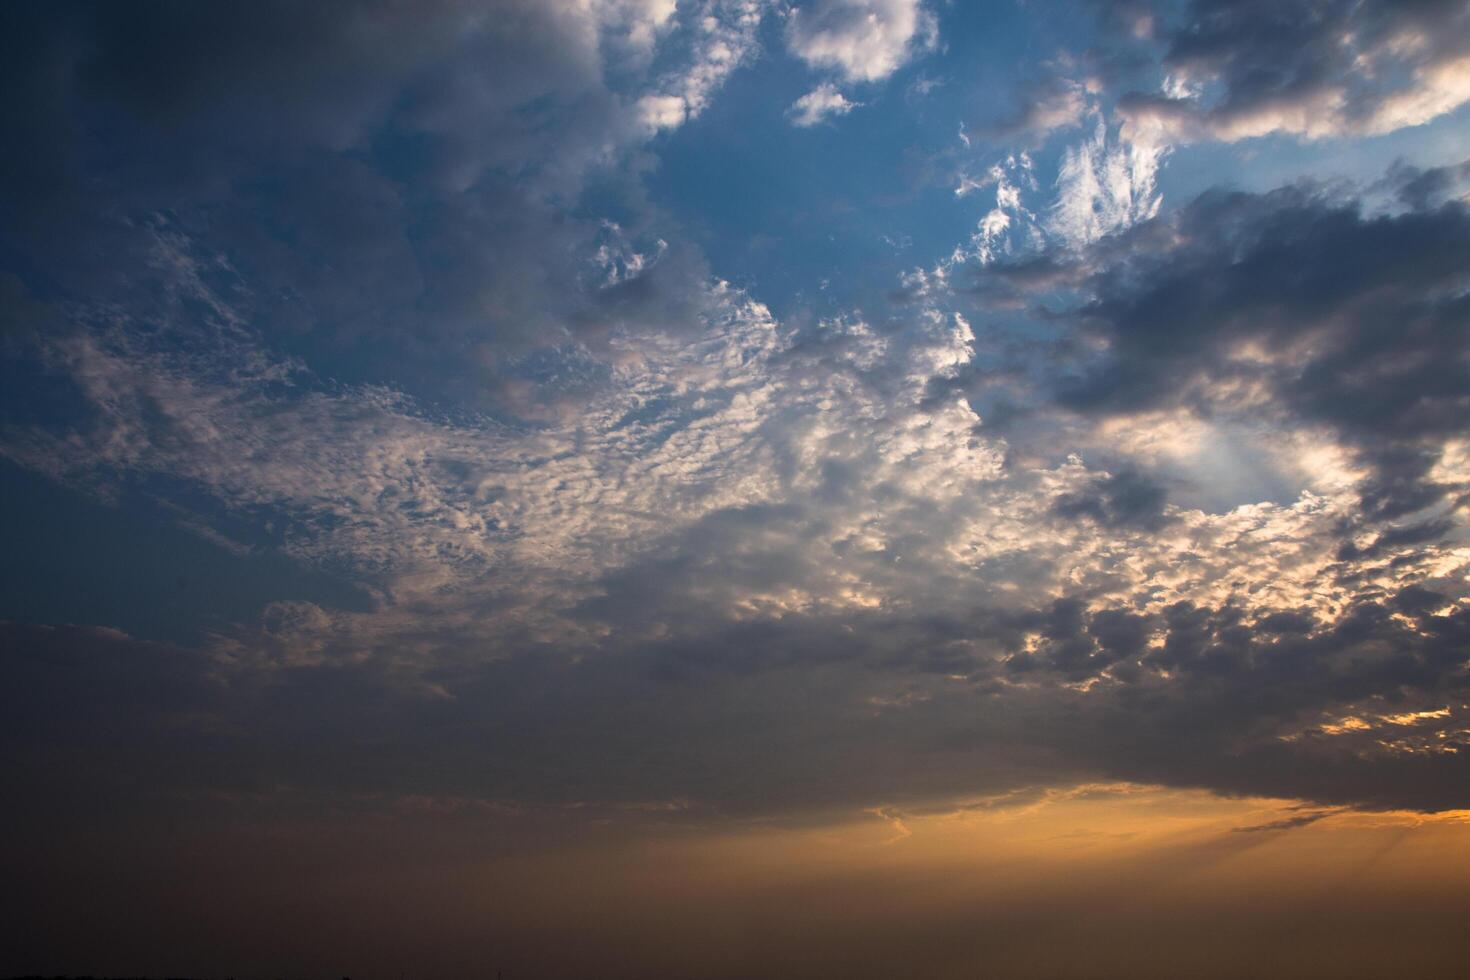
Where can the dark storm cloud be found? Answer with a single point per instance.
(1354, 321)
(189, 93)
(762, 717)
(394, 185)
(1421, 189)
(1235, 706)
(1309, 67)
(685, 696)
(1124, 499)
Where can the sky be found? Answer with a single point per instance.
(689, 488)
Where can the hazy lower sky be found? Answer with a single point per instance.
(712, 488)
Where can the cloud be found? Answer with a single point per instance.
(1104, 186)
(756, 504)
(639, 23)
(1271, 303)
(628, 536)
(1125, 498)
(1314, 70)
(1058, 103)
(1422, 190)
(1285, 823)
(862, 40)
(821, 103)
(724, 37)
(401, 190)
(659, 112)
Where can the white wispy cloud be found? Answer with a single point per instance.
(1106, 184)
(821, 103)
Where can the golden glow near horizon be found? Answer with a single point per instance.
(1102, 879)
(1093, 824)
